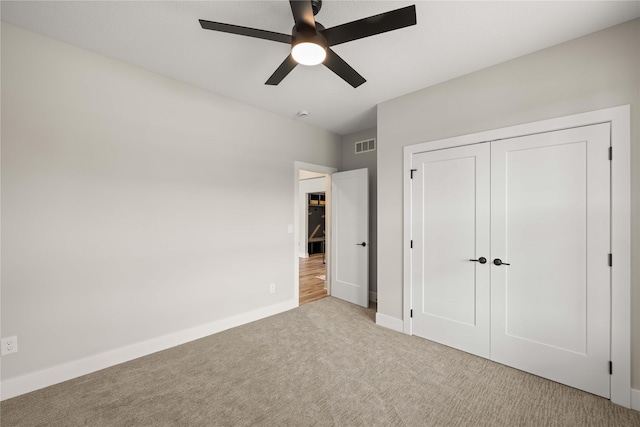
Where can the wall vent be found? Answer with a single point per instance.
(366, 145)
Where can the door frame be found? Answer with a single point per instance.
(297, 167)
(620, 120)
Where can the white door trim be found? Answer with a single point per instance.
(620, 120)
(297, 167)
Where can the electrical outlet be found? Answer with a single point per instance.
(9, 345)
(272, 288)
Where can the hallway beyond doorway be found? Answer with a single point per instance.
(313, 275)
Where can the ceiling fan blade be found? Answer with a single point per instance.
(302, 13)
(377, 24)
(245, 31)
(282, 71)
(342, 69)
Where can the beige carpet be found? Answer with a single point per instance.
(323, 364)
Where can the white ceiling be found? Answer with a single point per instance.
(452, 38)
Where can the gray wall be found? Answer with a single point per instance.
(129, 203)
(597, 71)
(350, 161)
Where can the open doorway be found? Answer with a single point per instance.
(313, 236)
(312, 261)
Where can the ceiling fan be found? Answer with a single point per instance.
(310, 41)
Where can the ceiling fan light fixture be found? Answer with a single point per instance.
(310, 41)
(308, 53)
(308, 46)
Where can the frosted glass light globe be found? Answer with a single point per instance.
(308, 53)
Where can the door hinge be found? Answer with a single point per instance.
(610, 260)
(412, 244)
(412, 171)
(610, 367)
(411, 313)
(610, 153)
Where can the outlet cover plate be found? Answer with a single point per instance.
(9, 345)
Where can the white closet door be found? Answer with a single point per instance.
(550, 307)
(450, 227)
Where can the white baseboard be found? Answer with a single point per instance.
(13, 387)
(389, 322)
(635, 399)
(373, 296)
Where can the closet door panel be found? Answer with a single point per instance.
(550, 223)
(450, 293)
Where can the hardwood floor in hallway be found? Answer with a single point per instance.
(312, 279)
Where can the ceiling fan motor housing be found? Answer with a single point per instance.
(306, 34)
(316, 5)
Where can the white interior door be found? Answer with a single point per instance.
(550, 307)
(350, 236)
(450, 228)
(547, 309)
